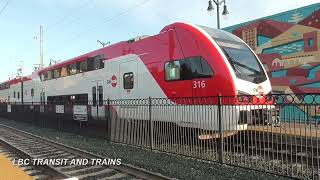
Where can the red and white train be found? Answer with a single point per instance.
(183, 60)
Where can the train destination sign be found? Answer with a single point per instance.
(80, 113)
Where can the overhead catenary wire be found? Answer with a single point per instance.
(66, 16)
(110, 19)
(4, 7)
(107, 20)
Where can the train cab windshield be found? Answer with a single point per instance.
(243, 61)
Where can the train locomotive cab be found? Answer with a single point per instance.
(229, 69)
(252, 87)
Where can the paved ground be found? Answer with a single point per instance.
(9, 171)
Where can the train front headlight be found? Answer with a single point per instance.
(244, 97)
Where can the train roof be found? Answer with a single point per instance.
(94, 53)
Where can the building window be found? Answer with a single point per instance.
(128, 80)
(310, 42)
(14, 94)
(18, 94)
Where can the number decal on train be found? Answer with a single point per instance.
(199, 84)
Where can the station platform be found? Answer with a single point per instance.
(295, 129)
(8, 171)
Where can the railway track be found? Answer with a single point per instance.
(17, 144)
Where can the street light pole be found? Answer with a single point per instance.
(218, 3)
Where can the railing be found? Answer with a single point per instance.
(278, 134)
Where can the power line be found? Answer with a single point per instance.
(4, 7)
(114, 17)
(107, 20)
(66, 16)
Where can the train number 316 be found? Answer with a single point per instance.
(199, 84)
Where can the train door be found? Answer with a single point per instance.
(129, 79)
(97, 108)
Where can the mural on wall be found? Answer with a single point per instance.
(288, 44)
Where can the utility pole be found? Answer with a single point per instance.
(41, 47)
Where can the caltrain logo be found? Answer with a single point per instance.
(259, 90)
(114, 81)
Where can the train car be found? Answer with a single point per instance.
(183, 60)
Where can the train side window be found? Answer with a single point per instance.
(73, 69)
(100, 91)
(94, 96)
(83, 66)
(199, 67)
(96, 62)
(45, 76)
(101, 59)
(14, 94)
(128, 80)
(57, 73)
(32, 92)
(64, 71)
(50, 75)
(172, 70)
(90, 64)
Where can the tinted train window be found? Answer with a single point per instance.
(172, 70)
(90, 64)
(100, 91)
(32, 92)
(94, 96)
(57, 73)
(73, 69)
(50, 75)
(64, 71)
(45, 77)
(128, 80)
(101, 57)
(186, 69)
(83, 66)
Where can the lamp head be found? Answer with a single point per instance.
(225, 10)
(210, 6)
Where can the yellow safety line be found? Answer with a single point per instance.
(10, 172)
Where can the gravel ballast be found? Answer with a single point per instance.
(169, 165)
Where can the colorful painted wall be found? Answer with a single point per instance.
(288, 45)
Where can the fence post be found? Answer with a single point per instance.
(151, 124)
(108, 121)
(221, 148)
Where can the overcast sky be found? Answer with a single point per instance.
(72, 27)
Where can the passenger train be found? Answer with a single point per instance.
(183, 60)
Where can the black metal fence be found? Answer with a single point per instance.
(278, 133)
